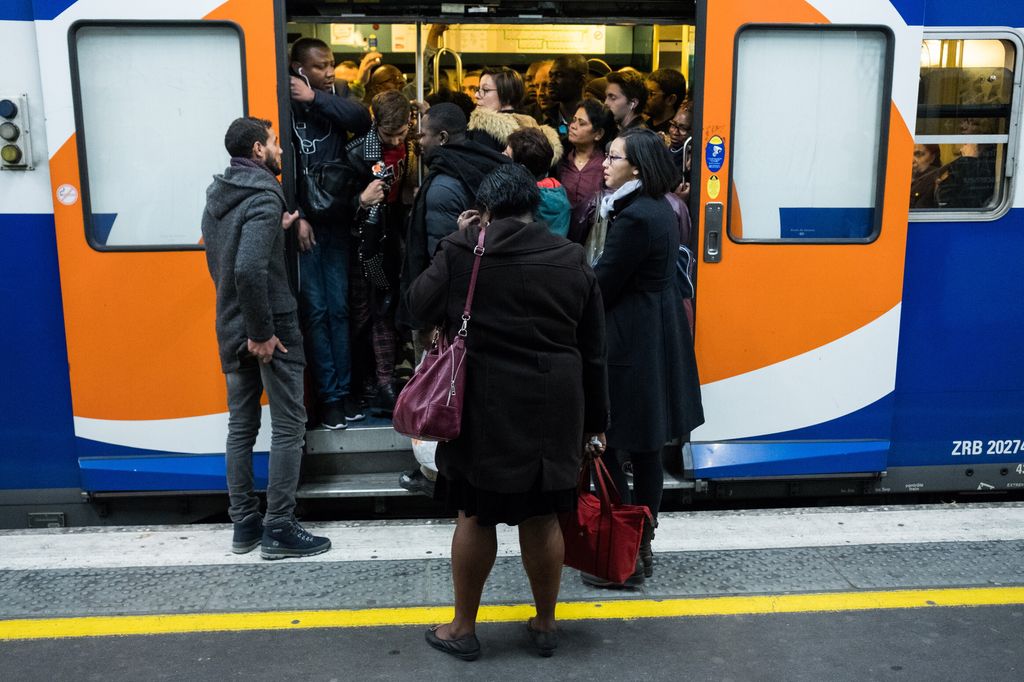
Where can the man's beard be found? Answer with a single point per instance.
(273, 164)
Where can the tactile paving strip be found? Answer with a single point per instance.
(292, 584)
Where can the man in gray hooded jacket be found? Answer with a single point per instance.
(258, 337)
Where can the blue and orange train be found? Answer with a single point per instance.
(845, 341)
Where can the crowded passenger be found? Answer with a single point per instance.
(652, 370)
(566, 81)
(377, 162)
(531, 148)
(537, 321)
(666, 90)
(321, 123)
(925, 173)
(625, 96)
(384, 78)
(581, 170)
(471, 82)
(541, 84)
(495, 117)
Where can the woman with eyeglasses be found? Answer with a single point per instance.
(653, 387)
(495, 118)
(581, 170)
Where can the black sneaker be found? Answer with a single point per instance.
(415, 482)
(334, 417)
(353, 409)
(288, 539)
(384, 402)
(247, 535)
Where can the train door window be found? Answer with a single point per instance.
(152, 103)
(810, 113)
(964, 137)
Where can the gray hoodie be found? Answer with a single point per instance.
(245, 253)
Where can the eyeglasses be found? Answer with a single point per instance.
(675, 126)
(612, 158)
(484, 91)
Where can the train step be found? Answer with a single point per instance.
(376, 484)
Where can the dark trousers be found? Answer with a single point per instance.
(283, 382)
(648, 476)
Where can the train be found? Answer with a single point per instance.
(851, 338)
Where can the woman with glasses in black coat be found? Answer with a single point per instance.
(653, 386)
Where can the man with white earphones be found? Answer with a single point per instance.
(626, 97)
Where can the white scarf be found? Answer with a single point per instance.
(608, 201)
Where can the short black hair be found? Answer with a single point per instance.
(303, 46)
(390, 110)
(646, 151)
(507, 82)
(245, 132)
(508, 190)
(632, 85)
(575, 64)
(600, 119)
(531, 148)
(446, 116)
(671, 82)
(456, 97)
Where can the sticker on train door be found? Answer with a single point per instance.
(714, 187)
(714, 153)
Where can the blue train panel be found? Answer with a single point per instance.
(37, 443)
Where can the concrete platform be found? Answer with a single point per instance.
(844, 593)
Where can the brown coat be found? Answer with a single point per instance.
(535, 378)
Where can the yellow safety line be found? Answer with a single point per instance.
(99, 626)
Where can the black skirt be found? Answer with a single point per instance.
(491, 508)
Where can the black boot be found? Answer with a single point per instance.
(646, 553)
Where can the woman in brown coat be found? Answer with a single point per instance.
(535, 391)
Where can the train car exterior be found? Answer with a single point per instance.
(840, 337)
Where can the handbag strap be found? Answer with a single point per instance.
(479, 251)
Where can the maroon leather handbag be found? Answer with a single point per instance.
(603, 536)
(430, 405)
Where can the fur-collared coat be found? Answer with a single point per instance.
(492, 128)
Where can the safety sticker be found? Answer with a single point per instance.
(714, 187)
(714, 153)
(67, 194)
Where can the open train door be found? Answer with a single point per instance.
(803, 173)
(138, 96)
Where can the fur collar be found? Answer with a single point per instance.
(500, 125)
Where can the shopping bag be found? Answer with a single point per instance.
(603, 536)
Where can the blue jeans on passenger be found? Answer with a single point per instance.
(283, 381)
(323, 300)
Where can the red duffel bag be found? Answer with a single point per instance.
(603, 536)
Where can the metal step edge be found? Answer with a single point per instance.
(385, 484)
(364, 439)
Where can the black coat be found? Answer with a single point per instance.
(652, 370)
(535, 375)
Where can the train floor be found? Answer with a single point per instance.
(900, 593)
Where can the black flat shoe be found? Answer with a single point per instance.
(466, 648)
(544, 642)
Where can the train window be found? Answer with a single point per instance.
(810, 114)
(962, 139)
(152, 103)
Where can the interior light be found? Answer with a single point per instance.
(11, 154)
(9, 131)
(8, 109)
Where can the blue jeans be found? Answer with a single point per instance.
(323, 299)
